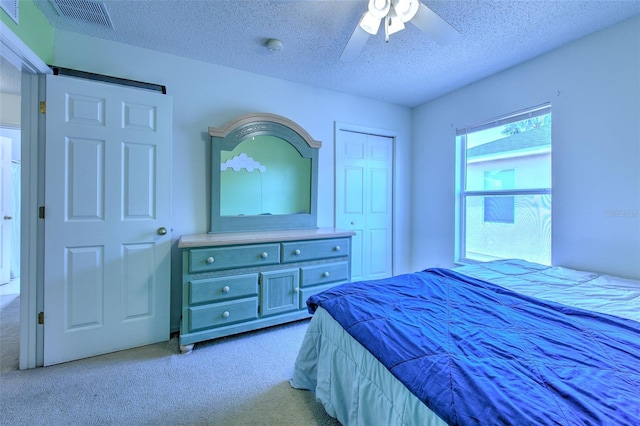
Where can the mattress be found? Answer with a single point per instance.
(585, 290)
(357, 389)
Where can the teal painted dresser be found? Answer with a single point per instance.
(237, 282)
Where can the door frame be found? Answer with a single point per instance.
(32, 67)
(393, 134)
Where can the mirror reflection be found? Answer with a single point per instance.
(264, 175)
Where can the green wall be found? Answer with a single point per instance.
(34, 29)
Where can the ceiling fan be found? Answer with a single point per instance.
(393, 14)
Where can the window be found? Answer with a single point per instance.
(499, 209)
(504, 187)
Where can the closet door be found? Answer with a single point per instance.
(364, 200)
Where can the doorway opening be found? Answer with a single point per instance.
(10, 171)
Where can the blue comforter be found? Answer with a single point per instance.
(477, 353)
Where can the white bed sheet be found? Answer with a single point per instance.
(355, 388)
(585, 290)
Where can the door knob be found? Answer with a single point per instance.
(162, 231)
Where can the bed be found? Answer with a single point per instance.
(501, 342)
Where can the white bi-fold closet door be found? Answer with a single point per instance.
(364, 199)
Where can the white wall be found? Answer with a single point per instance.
(208, 95)
(593, 85)
(10, 110)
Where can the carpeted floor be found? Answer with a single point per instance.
(240, 380)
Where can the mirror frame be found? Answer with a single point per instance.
(226, 138)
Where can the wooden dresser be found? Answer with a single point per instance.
(242, 281)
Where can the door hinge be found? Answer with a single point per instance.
(41, 212)
(43, 107)
(41, 318)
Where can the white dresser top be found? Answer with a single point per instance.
(230, 238)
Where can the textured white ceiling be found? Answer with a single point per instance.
(409, 70)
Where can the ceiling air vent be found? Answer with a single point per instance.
(94, 12)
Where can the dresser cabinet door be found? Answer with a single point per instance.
(279, 292)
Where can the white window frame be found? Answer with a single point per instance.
(461, 178)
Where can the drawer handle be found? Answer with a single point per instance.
(325, 274)
(296, 252)
(336, 248)
(225, 289)
(210, 260)
(264, 255)
(225, 314)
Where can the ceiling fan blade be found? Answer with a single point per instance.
(355, 44)
(434, 26)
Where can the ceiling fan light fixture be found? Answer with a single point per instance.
(393, 23)
(370, 23)
(398, 13)
(379, 8)
(406, 9)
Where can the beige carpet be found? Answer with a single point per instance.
(241, 380)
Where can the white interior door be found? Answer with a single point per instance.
(6, 218)
(364, 200)
(107, 206)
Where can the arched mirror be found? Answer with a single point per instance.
(264, 172)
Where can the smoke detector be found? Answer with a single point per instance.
(274, 45)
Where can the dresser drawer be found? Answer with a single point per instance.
(324, 274)
(218, 258)
(299, 251)
(223, 288)
(221, 314)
